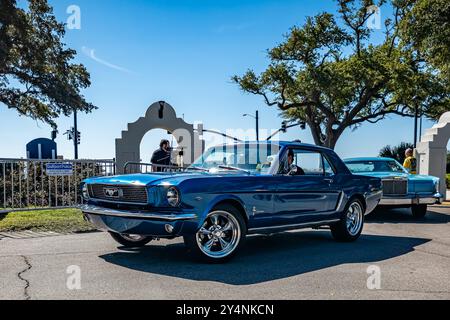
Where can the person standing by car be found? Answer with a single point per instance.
(162, 156)
(410, 163)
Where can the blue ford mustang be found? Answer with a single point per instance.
(400, 189)
(230, 192)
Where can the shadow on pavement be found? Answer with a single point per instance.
(266, 258)
(405, 216)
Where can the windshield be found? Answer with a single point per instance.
(240, 157)
(375, 166)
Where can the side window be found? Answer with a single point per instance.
(309, 161)
(328, 169)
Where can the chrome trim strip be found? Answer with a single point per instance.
(300, 225)
(95, 210)
(435, 199)
(340, 202)
(119, 202)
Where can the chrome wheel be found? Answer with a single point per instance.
(354, 219)
(220, 234)
(133, 237)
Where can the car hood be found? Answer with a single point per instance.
(153, 178)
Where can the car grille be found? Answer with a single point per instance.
(119, 193)
(395, 187)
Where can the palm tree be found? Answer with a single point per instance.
(396, 152)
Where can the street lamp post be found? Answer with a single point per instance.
(75, 139)
(416, 119)
(256, 117)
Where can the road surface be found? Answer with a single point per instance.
(413, 258)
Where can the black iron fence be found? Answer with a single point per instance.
(37, 184)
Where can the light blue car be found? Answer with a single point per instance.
(400, 188)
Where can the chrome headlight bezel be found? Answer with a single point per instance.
(437, 185)
(85, 192)
(173, 196)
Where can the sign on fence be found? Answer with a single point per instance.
(59, 169)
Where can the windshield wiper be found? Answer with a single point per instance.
(234, 169)
(197, 169)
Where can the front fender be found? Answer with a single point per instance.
(223, 198)
(202, 211)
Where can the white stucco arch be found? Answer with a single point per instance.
(159, 115)
(432, 151)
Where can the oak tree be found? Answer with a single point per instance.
(37, 75)
(331, 74)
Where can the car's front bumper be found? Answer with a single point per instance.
(149, 223)
(410, 200)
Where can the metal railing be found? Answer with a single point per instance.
(140, 167)
(40, 184)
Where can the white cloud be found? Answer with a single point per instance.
(91, 54)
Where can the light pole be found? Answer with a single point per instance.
(256, 117)
(416, 119)
(75, 139)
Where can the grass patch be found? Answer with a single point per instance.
(62, 221)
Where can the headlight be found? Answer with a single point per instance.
(173, 196)
(85, 192)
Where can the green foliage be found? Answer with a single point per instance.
(37, 77)
(448, 161)
(396, 152)
(62, 221)
(425, 27)
(333, 77)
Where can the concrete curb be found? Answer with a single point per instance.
(28, 234)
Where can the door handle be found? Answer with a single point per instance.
(328, 180)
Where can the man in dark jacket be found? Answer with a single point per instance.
(161, 157)
(290, 167)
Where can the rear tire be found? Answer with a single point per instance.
(349, 228)
(130, 241)
(419, 210)
(220, 237)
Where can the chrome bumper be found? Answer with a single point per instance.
(434, 199)
(145, 215)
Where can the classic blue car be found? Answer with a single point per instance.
(400, 188)
(230, 192)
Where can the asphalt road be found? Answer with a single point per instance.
(413, 257)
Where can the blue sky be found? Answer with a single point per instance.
(183, 52)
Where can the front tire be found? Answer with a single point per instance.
(130, 241)
(220, 237)
(352, 223)
(419, 210)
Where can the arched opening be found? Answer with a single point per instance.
(150, 143)
(159, 115)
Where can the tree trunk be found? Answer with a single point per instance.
(332, 136)
(316, 133)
